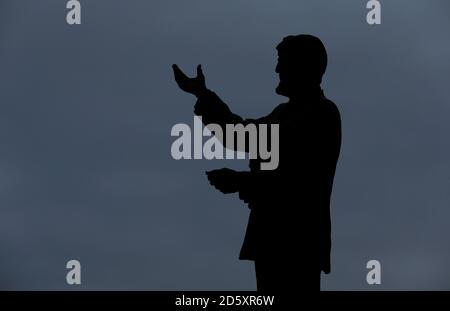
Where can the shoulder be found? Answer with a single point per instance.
(330, 109)
(272, 117)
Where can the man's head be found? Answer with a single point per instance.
(302, 61)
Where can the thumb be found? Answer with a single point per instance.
(200, 72)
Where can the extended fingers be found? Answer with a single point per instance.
(179, 74)
(200, 72)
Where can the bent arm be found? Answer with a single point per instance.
(213, 110)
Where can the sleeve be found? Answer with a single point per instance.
(254, 183)
(213, 110)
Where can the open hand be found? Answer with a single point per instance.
(225, 180)
(194, 85)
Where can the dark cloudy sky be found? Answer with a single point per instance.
(85, 119)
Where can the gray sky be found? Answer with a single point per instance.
(85, 119)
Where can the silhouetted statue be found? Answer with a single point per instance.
(289, 229)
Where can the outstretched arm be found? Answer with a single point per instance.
(211, 108)
(249, 185)
(209, 105)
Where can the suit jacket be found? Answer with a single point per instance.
(289, 206)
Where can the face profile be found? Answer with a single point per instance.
(302, 61)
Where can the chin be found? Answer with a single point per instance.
(280, 90)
